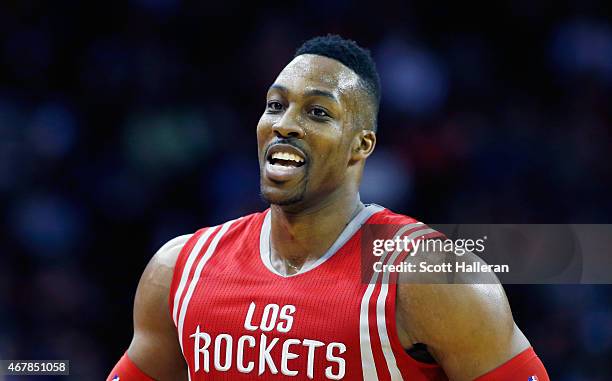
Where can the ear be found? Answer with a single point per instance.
(363, 145)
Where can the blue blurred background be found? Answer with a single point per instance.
(125, 124)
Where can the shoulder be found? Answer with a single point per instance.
(154, 285)
(246, 224)
(151, 301)
(386, 225)
(386, 216)
(167, 255)
(164, 260)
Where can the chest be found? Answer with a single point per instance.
(244, 320)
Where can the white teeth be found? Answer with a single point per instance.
(287, 156)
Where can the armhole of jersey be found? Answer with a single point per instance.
(402, 357)
(179, 267)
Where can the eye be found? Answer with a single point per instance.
(274, 106)
(319, 112)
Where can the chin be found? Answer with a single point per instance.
(275, 196)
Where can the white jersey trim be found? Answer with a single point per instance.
(196, 277)
(367, 356)
(396, 375)
(187, 270)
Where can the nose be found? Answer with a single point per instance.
(288, 126)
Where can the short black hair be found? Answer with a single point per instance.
(351, 55)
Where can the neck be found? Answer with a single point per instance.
(306, 235)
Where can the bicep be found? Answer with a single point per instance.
(155, 348)
(468, 328)
(488, 335)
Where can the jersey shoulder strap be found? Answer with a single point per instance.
(194, 249)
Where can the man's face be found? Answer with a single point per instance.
(304, 135)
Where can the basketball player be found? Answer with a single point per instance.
(279, 294)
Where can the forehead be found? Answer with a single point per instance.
(309, 71)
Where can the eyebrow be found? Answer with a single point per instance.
(308, 93)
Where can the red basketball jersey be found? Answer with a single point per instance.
(237, 318)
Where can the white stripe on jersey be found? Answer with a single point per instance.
(187, 269)
(396, 375)
(367, 357)
(196, 278)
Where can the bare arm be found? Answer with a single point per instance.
(468, 328)
(155, 348)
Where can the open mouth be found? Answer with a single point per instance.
(284, 162)
(285, 159)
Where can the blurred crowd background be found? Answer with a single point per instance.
(124, 124)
